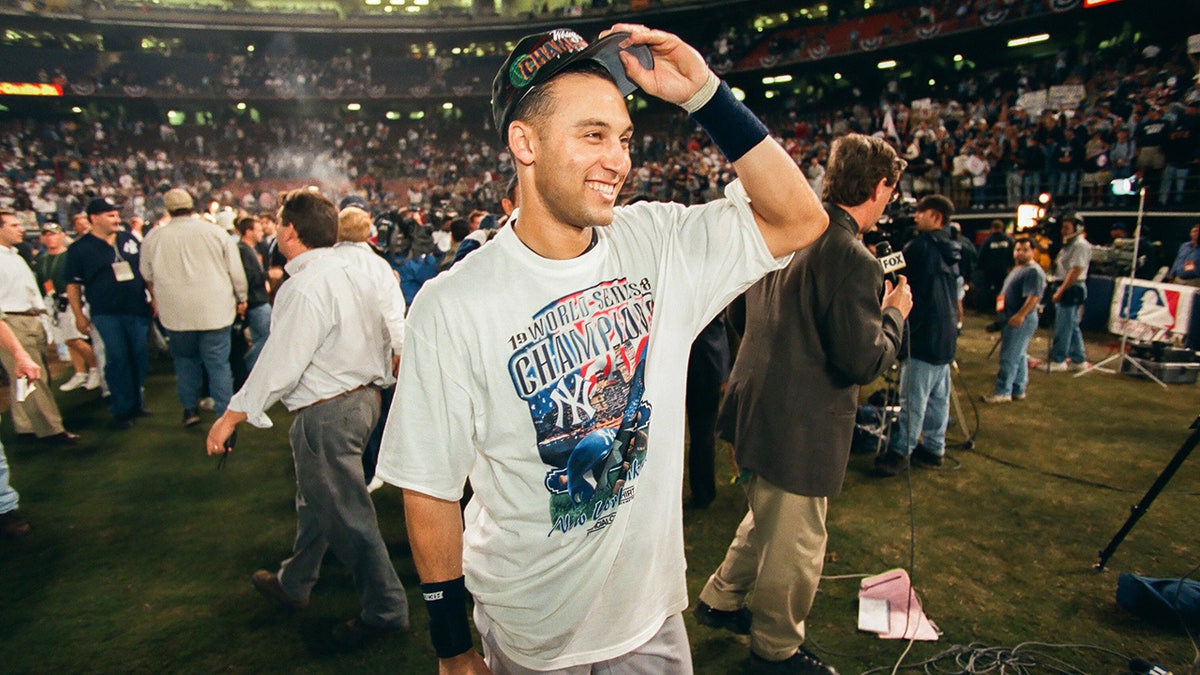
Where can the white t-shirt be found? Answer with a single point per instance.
(519, 371)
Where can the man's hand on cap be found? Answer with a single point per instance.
(679, 70)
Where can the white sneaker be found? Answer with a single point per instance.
(997, 398)
(1059, 367)
(93, 379)
(1076, 367)
(77, 380)
(207, 403)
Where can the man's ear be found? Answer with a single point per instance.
(522, 142)
(880, 188)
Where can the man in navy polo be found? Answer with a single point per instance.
(104, 264)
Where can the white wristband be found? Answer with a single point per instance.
(707, 90)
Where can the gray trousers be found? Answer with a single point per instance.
(667, 653)
(334, 509)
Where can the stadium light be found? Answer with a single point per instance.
(770, 94)
(837, 76)
(932, 81)
(353, 107)
(447, 106)
(241, 105)
(392, 115)
(777, 79)
(76, 109)
(958, 58)
(886, 65)
(373, 2)
(250, 49)
(1028, 40)
(738, 93)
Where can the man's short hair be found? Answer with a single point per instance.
(1023, 239)
(938, 203)
(997, 225)
(354, 224)
(244, 225)
(534, 108)
(459, 229)
(313, 215)
(856, 165)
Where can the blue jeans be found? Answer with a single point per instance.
(193, 349)
(924, 407)
(1174, 177)
(8, 496)
(1031, 185)
(259, 321)
(1068, 338)
(1013, 377)
(127, 358)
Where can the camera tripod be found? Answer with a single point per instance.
(1141, 507)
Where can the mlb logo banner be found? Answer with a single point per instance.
(1145, 310)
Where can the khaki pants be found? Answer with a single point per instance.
(39, 413)
(778, 553)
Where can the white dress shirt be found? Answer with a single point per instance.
(328, 337)
(19, 292)
(386, 284)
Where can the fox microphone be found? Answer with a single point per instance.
(891, 262)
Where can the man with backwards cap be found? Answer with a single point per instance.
(104, 264)
(548, 367)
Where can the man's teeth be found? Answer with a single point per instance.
(603, 188)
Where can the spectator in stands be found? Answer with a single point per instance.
(1186, 268)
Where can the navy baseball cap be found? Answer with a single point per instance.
(541, 56)
(354, 200)
(100, 205)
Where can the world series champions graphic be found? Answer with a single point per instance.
(580, 366)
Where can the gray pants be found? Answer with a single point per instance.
(334, 509)
(667, 653)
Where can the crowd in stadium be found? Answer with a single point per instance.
(975, 142)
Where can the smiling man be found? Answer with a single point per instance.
(548, 367)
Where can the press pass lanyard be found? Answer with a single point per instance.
(121, 269)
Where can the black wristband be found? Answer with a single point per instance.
(730, 124)
(446, 602)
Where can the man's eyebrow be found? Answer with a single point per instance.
(600, 123)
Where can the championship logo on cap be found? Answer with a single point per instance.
(538, 57)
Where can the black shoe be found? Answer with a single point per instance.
(802, 662)
(191, 417)
(925, 457)
(890, 464)
(356, 633)
(62, 438)
(734, 621)
(12, 525)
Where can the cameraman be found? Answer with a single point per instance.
(1071, 268)
(932, 259)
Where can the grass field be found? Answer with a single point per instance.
(142, 550)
